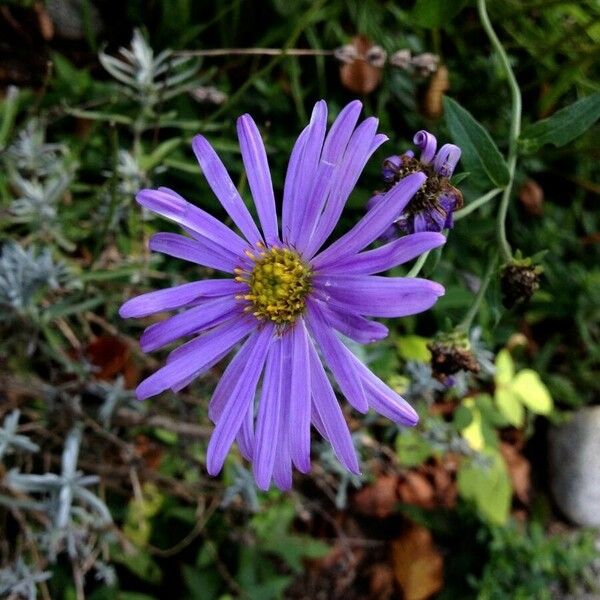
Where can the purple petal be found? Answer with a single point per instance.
(386, 257)
(229, 379)
(292, 181)
(376, 296)
(245, 437)
(305, 170)
(446, 160)
(176, 297)
(361, 146)
(172, 206)
(224, 189)
(330, 416)
(427, 144)
(338, 358)
(236, 408)
(199, 353)
(194, 320)
(383, 399)
(353, 325)
(259, 176)
(299, 393)
(420, 222)
(268, 421)
(282, 469)
(194, 251)
(374, 223)
(333, 152)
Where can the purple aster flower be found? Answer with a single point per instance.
(286, 300)
(433, 205)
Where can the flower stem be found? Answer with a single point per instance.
(465, 324)
(515, 127)
(418, 265)
(472, 206)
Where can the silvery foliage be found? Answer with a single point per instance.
(113, 395)
(150, 79)
(10, 440)
(65, 497)
(25, 272)
(442, 437)
(31, 155)
(37, 201)
(243, 486)
(39, 174)
(19, 581)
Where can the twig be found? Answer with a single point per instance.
(255, 52)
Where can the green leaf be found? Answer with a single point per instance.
(413, 347)
(563, 126)
(509, 405)
(505, 368)
(473, 432)
(411, 448)
(272, 531)
(435, 13)
(480, 155)
(488, 486)
(532, 392)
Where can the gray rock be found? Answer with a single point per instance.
(574, 453)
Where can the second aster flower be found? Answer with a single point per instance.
(433, 205)
(286, 299)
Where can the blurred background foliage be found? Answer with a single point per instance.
(102, 497)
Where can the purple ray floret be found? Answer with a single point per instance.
(288, 300)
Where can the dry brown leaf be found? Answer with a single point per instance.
(358, 75)
(414, 488)
(531, 196)
(111, 357)
(418, 564)
(519, 471)
(378, 499)
(432, 95)
(45, 23)
(381, 584)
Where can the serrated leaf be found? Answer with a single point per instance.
(413, 347)
(532, 392)
(505, 368)
(435, 13)
(563, 126)
(480, 155)
(488, 486)
(510, 406)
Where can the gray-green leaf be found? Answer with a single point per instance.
(480, 155)
(563, 126)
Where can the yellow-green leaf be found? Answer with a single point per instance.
(488, 486)
(473, 432)
(532, 392)
(505, 368)
(413, 347)
(510, 406)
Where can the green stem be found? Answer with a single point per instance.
(418, 265)
(465, 324)
(515, 127)
(472, 206)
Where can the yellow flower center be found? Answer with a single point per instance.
(279, 284)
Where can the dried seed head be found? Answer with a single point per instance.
(519, 280)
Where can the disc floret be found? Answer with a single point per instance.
(278, 283)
